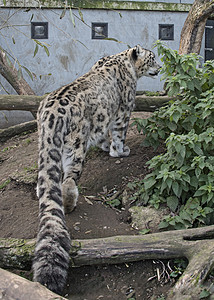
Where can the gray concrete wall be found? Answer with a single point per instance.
(72, 51)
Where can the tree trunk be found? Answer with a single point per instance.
(197, 245)
(14, 78)
(193, 29)
(15, 287)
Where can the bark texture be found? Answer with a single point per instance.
(13, 287)
(11, 131)
(193, 29)
(20, 102)
(12, 76)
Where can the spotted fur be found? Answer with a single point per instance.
(87, 112)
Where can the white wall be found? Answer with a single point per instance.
(69, 58)
(72, 51)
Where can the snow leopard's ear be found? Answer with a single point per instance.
(136, 51)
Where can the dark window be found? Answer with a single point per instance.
(166, 32)
(99, 31)
(209, 40)
(39, 30)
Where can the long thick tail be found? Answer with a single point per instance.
(51, 258)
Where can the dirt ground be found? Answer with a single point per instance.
(92, 218)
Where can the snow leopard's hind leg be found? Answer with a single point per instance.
(118, 133)
(72, 163)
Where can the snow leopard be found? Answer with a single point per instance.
(92, 110)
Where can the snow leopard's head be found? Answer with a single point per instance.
(144, 61)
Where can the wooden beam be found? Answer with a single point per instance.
(31, 103)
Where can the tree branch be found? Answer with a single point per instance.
(11, 75)
(193, 29)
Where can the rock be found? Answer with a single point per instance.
(117, 162)
(146, 217)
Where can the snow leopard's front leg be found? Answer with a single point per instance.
(118, 132)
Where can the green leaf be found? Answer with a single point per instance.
(198, 149)
(172, 126)
(197, 172)
(169, 182)
(8, 61)
(175, 116)
(112, 39)
(179, 159)
(36, 50)
(199, 193)
(29, 72)
(208, 210)
(172, 203)
(38, 42)
(204, 294)
(182, 151)
(211, 79)
(63, 13)
(148, 183)
(186, 177)
(5, 183)
(190, 85)
(80, 14)
(185, 215)
(114, 202)
(192, 203)
(144, 231)
(197, 84)
(72, 17)
(163, 186)
(163, 225)
(174, 90)
(31, 19)
(175, 188)
(46, 50)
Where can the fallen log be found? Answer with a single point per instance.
(31, 103)
(197, 245)
(150, 103)
(20, 102)
(11, 131)
(14, 287)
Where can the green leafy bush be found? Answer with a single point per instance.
(183, 176)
